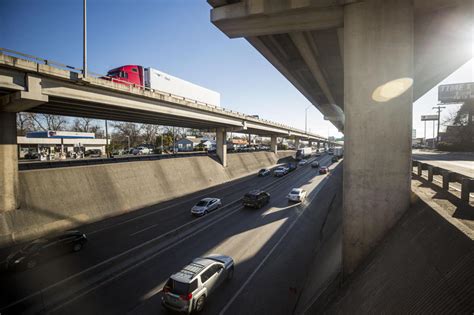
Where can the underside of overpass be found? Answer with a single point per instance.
(362, 64)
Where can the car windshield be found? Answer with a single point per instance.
(262, 170)
(202, 203)
(295, 192)
(32, 247)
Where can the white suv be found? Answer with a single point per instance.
(187, 290)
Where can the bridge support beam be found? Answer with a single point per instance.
(378, 73)
(221, 145)
(318, 144)
(274, 144)
(297, 143)
(9, 182)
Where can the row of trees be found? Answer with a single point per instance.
(121, 134)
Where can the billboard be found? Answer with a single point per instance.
(429, 117)
(456, 93)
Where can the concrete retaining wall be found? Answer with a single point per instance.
(61, 198)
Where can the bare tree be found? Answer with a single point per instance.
(125, 130)
(82, 124)
(24, 123)
(149, 132)
(50, 122)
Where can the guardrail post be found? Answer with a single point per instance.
(467, 185)
(420, 168)
(430, 173)
(446, 178)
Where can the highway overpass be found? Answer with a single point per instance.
(34, 84)
(362, 64)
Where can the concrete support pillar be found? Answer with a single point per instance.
(467, 185)
(419, 168)
(430, 173)
(318, 144)
(221, 145)
(310, 143)
(297, 143)
(378, 73)
(9, 182)
(446, 179)
(273, 144)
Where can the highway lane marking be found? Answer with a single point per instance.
(262, 262)
(160, 251)
(227, 205)
(239, 180)
(61, 282)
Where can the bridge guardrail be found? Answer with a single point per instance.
(467, 183)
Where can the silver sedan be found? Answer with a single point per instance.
(205, 206)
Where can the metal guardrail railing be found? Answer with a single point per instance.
(105, 77)
(467, 183)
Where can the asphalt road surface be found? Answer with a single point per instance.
(128, 258)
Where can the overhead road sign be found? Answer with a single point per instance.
(456, 93)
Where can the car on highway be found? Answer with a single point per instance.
(206, 205)
(256, 199)
(297, 194)
(334, 159)
(291, 167)
(263, 172)
(40, 250)
(315, 164)
(303, 162)
(141, 150)
(323, 170)
(280, 171)
(188, 290)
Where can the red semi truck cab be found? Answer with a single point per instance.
(129, 74)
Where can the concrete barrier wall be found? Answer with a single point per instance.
(61, 198)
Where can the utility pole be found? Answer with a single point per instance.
(439, 117)
(84, 24)
(106, 138)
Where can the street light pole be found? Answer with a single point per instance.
(84, 24)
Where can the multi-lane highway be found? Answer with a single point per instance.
(128, 259)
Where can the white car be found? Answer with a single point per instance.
(205, 206)
(297, 194)
(141, 150)
(302, 162)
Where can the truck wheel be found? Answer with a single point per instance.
(77, 247)
(31, 264)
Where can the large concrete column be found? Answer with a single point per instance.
(221, 145)
(378, 72)
(273, 144)
(297, 143)
(318, 144)
(9, 182)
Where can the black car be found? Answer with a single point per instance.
(291, 167)
(43, 249)
(256, 199)
(315, 164)
(334, 159)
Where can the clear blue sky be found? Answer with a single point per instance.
(175, 36)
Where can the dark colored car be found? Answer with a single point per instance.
(264, 172)
(256, 199)
(334, 159)
(315, 164)
(43, 249)
(291, 167)
(323, 170)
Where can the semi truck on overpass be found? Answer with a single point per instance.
(158, 80)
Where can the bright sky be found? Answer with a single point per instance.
(175, 37)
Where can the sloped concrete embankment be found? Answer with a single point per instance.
(62, 198)
(425, 265)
